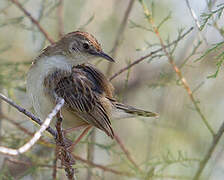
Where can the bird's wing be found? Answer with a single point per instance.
(83, 94)
(102, 85)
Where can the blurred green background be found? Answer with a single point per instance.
(170, 147)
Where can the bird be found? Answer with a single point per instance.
(63, 70)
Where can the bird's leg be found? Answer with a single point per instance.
(86, 130)
(58, 126)
(62, 149)
(77, 128)
(58, 139)
(61, 140)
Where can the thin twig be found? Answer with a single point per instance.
(217, 136)
(60, 19)
(215, 141)
(176, 69)
(193, 14)
(195, 18)
(27, 113)
(149, 55)
(34, 21)
(1, 116)
(127, 153)
(87, 162)
(54, 173)
(104, 168)
(90, 152)
(119, 35)
(36, 136)
(86, 130)
(62, 149)
(82, 160)
(41, 140)
(214, 23)
(30, 164)
(194, 37)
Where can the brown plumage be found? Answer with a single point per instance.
(83, 92)
(60, 71)
(88, 37)
(89, 95)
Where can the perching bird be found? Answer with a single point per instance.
(61, 70)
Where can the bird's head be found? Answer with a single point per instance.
(82, 47)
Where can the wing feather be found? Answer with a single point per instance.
(83, 91)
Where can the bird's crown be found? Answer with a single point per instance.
(78, 46)
(84, 36)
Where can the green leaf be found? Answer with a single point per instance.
(210, 50)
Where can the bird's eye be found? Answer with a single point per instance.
(85, 45)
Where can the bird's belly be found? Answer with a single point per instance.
(70, 119)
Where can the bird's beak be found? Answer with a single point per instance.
(103, 55)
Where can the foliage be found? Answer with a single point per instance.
(172, 147)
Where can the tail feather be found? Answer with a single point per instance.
(134, 111)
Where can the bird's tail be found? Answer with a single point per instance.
(129, 111)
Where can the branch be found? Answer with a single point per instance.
(18, 125)
(176, 69)
(90, 152)
(85, 131)
(30, 164)
(150, 54)
(1, 115)
(215, 141)
(36, 136)
(120, 34)
(90, 163)
(194, 16)
(34, 21)
(216, 138)
(62, 149)
(104, 168)
(54, 172)
(60, 19)
(127, 153)
(27, 113)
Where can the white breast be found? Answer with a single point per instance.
(35, 82)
